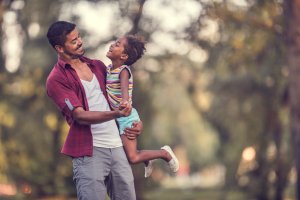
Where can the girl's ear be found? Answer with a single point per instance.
(124, 56)
(59, 48)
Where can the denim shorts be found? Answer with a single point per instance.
(126, 122)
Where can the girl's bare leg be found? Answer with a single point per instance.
(135, 156)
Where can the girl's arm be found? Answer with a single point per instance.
(137, 127)
(124, 80)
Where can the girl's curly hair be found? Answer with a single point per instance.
(134, 48)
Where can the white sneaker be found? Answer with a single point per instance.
(149, 168)
(173, 163)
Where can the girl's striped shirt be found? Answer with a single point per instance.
(113, 85)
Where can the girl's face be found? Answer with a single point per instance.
(117, 50)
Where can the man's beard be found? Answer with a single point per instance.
(74, 56)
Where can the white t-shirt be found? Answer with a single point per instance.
(105, 134)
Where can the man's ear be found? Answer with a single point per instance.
(124, 56)
(59, 48)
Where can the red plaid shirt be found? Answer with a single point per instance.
(63, 82)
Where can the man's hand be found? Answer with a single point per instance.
(133, 132)
(124, 109)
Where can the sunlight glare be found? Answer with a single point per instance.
(210, 32)
(13, 41)
(241, 3)
(249, 154)
(33, 30)
(198, 55)
(17, 4)
(173, 15)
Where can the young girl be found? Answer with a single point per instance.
(119, 84)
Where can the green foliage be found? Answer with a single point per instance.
(248, 85)
(209, 110)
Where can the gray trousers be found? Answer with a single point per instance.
(106, 172)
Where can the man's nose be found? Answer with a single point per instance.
(79, 41)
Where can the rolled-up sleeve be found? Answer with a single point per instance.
(59, 89)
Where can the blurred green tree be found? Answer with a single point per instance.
(292, 22)
(231, 81)
(32, 129)
(248, 86)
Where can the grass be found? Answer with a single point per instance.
(174, 194)
(192, 194)
(167, 194)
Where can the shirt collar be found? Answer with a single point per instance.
(64, 64)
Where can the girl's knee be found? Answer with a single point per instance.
(132, 158)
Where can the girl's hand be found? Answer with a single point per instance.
(125, 110)
(123, 104)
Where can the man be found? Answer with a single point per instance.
(76, 84)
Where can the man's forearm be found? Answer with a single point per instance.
(94, 117)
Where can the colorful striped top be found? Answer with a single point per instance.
(113, 85)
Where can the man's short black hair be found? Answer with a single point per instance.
(58, 31)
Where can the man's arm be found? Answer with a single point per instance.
(133, 132)
(59, 90)
(94, 117)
